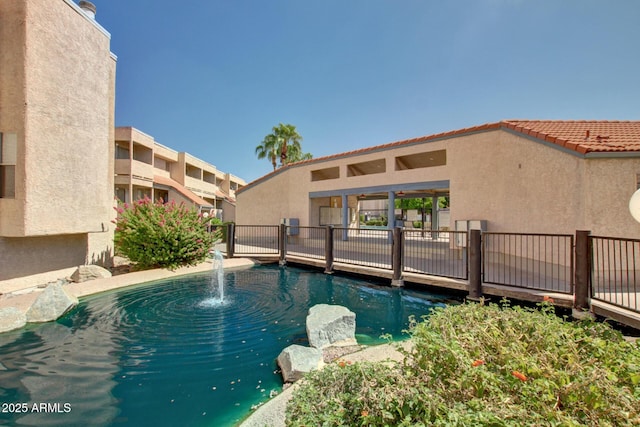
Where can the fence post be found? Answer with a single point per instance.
(396, 257)
(582, 273)
(231, 239)
(328, 249)
(475, 265)
(282, 246)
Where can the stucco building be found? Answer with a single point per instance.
(518, 175)
(146, 168)
(57, 129)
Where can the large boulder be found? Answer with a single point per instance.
(89, 272)
(52, 303)
(11, 318)
(296, 360)
(331, 325)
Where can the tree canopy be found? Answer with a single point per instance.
(283, 142)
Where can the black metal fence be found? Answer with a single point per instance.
(532, 261)
(442, 253)
(306, 242)
(255, 239)
(615, 271)
(606, 269)
(370, 248)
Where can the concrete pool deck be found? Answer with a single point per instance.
(22, 293)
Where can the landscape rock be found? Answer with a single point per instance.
(52, 303)
(297, 360)
(11, 318)
(331, 325)
(89, 272)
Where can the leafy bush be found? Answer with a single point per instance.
(377, 222)
(477, 364)
(161, 235)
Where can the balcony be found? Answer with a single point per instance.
(134, 168)
(201, 187)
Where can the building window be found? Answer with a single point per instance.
(421, 160)
(122, 151)
(8, 148)
(367, 168)
(324, 174)
(159, 194)
(121, 194)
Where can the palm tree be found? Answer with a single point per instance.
(294, 154)
(284, 141)
(289, 141)
(269, 148)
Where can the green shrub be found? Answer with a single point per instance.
(477, 364)
(161, 235)
(377, 222)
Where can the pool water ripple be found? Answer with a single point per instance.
(157, 355)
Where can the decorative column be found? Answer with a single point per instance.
(391, 215)
(434, 217)
(391, 212)
(345, 217)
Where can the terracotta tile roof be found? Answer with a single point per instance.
(581, 136)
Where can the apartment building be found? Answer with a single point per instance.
(57, 90)
(146, 168)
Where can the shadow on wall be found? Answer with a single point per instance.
(103, 259)
(25, 256)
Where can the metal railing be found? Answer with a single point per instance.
(256, 239)
(588, 267)
(532, 261)
(370, 248)
(306, 242)
(615, 271)
(442, 253)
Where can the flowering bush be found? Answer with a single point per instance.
(161, 235)
(475, 365)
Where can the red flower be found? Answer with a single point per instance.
(519, 375)
(477, 363)
(548, 299)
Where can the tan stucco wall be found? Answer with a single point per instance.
(228, 211)
(12, 103)
(64, 128)
(57, 93)
(25, 256)
(517, 184)
(270, 203)
(611, 184)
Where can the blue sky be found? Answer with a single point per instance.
(213, 77)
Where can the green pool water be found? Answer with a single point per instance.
(167, 354)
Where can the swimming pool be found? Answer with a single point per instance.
(160, 354)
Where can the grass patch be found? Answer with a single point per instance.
(477, 364)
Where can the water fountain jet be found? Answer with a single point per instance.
(216, 282)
